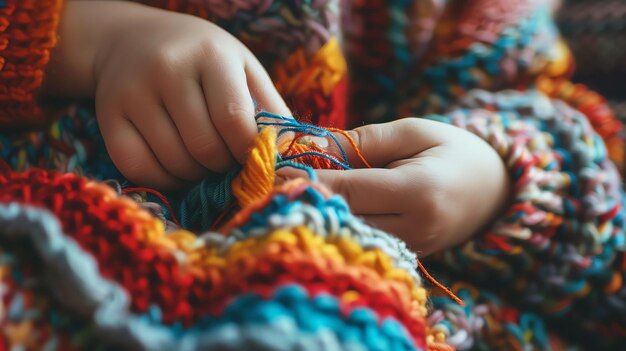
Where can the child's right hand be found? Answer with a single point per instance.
(434, 185)
(173, 92)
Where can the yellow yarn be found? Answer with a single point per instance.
(323, 71)
(256, 180)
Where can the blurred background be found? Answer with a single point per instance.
(596, 33)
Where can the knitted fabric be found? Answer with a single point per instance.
(83, 267)
(119, 280)
(24, 53)
(559, 248)
(502, 255)
(447, 48)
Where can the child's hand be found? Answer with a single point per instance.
(436, 186)
(173, 92)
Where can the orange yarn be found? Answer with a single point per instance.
(295, 147)
(321, 72)
(315, 87)
(27, 34)
(299, 145)
(256, 180)
(355, 147)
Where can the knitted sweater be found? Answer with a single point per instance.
(83, 267)
(27, 34)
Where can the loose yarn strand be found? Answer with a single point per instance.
(446, 290)
(158, 195)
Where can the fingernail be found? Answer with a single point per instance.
(319, 141)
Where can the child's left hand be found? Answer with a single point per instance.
(436, 184)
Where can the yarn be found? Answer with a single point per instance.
(160, 196)
(257, 178)
(558, 245)
(448, 75)
(529, 102)
(315, 87)
(201, 206)
(118, 322)
(597, 111)
(214, 195)
(594, 31)
(413, 58)
(293, 269)
(489, 324)
(24, 54)
(72, 143)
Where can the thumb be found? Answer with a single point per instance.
(382, 144)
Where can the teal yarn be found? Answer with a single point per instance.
(206, 200)
(202, 204)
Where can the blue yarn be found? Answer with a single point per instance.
(202, 204)
(288, 320)
(206, 200)
(299, 128)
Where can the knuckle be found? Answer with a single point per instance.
(130, 165)
(345, 188)
(163, 61)
(237, 112)
(202, 147)
(209, 152)
(410, 123)
(359, 135)
(435, 210)
(177, 166)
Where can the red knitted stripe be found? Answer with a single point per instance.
(153, 276)
(27, 34)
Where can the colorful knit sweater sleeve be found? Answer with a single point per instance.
(558, 248)
(27, 34)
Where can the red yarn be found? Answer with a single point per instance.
(184, 293)
(318, 109)
(158, 195)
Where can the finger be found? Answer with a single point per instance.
(390, 223)
(132, 156)
(408, 230)
(382, 144)
(160, 132)
(263, 89)
(371, 191)
(186, 103)
(368, 191)
(230, 106)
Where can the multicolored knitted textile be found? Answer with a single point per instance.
(91, 262)
(293, 270)
(447, 48)
(492, 318)
(559, 248)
